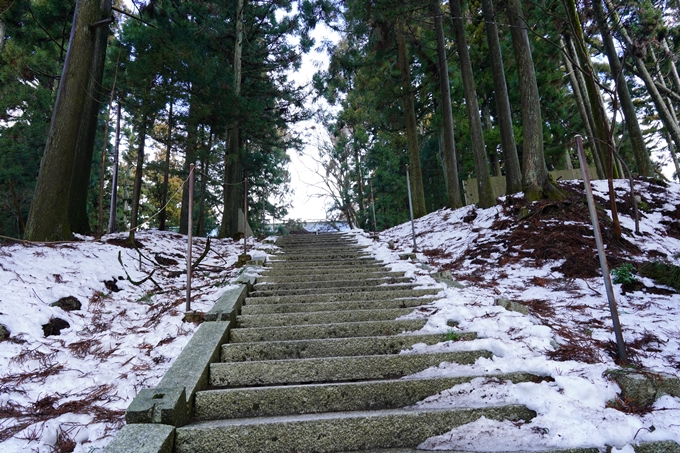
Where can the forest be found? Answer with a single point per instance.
(104, 105)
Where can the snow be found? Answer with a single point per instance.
(76, 386)
(574, 408)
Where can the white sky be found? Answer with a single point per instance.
(308, 200)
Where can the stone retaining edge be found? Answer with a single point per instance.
(154, 413)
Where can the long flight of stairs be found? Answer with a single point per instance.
(314, 365)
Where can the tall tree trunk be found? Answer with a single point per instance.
(48, 219)
(2, 33)
(602, 132)
(659, 103)
(513, 172)
(581, 102)
(137, 188)
(536, 181)
(113, 205)
(189, 158)
(675, 77)
(448, 144)
(644, 164)
(162, 217)
(487, 126)
(416, 175)
(486, 196)
(205, 168)
(360, 187)
(233, 160)
(80, 179)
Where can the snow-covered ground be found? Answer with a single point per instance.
(68, 392)
(567, 335)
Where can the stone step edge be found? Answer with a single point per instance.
(336, 347)
(334, 369)
(249, 402)
(324, 433)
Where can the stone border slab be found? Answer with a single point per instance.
(145, 438)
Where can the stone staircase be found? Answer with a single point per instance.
(314, 363)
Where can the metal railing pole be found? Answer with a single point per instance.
(600, 251)
(375, 224)
(245, 218)
(190, 234)
(410, 207)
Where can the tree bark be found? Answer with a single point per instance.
(80, 179)
(2, 33)
(205, 168)
(233, 159)
(602, 131)
(642, 160)
(486, 196)
(48, 219)
(666, 116)
(449, 144)
(583, 105)
(113, 206)
(137, 188)
(493, 153)
(162, 217)
(536, 181)
(416, 176)
(513, 172)
(189, 158)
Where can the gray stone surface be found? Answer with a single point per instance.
(313, 277)
(337, 297)
(324, 263)
(323, 289)
(320, 433)
(512, 306)
(335, 306)
(167, 406)
(342, 330)
(309, 399)
(327, 317)
(190, 369)
(332, 369)
(413, 450)
(446, 278)
(361, 280)
(657, 447)
(228, 305)
(642, 388)
(328, 347)
(144, 438)
(282, 271)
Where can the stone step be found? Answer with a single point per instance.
(332, 369)
(321, 256)
(260, 309)
(338, 297)
(315, 398)
(283, 271)
(323, 317)
(316, 331)
(324, 247)
(322, 289)
(320, 283)
(333, 432)
(414, 450)
(327, 277)
(329, 347)
(343, 262)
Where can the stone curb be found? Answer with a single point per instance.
(154, 413)
(146, 438)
